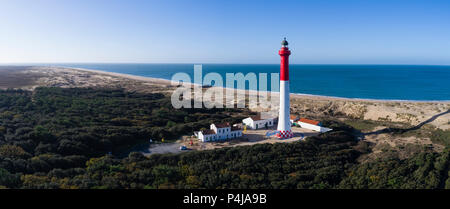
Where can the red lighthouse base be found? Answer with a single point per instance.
(284, 134)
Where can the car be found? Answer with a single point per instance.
(183, 148)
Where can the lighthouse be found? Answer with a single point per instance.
(284, 130)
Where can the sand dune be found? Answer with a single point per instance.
(411, 115)
(411, 112)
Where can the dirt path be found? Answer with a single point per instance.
(163, 148)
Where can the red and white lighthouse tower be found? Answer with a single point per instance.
(284, 123)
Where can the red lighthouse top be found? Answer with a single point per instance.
(284, 65)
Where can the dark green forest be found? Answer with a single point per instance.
(71, 138)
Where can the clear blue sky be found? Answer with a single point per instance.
(165, 31)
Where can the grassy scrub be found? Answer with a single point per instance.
(60, 138)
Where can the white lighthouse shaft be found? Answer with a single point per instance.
(284, 123)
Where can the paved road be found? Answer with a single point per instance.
(163, 148)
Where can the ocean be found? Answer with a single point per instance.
(387, 82)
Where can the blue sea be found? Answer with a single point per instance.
(387, 82)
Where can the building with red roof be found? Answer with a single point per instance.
(312, 125)
(219, 132)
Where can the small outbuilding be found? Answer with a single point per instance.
(312, 125)
(206, 135)
(219, 132)
(256, 122)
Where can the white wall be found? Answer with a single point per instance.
(259, 123)
(309, 126)
(248, 122)
(206, 138)
(222, 134)
(284, 113)
(323, 129)
(200, 136)
(314, 127)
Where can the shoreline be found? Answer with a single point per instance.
(295, 95)
(314, 106)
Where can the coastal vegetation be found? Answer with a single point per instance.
(71, 138)
(363, 125)
(436, 135)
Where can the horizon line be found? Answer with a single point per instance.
(195, 63)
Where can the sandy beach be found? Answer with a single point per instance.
(412, 112)
(370, 109)
(368, 115)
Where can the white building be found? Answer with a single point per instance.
(235, 132)
(256, 122)
(207, 135)
(219, 132)
(222, 130)
(312, 125)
